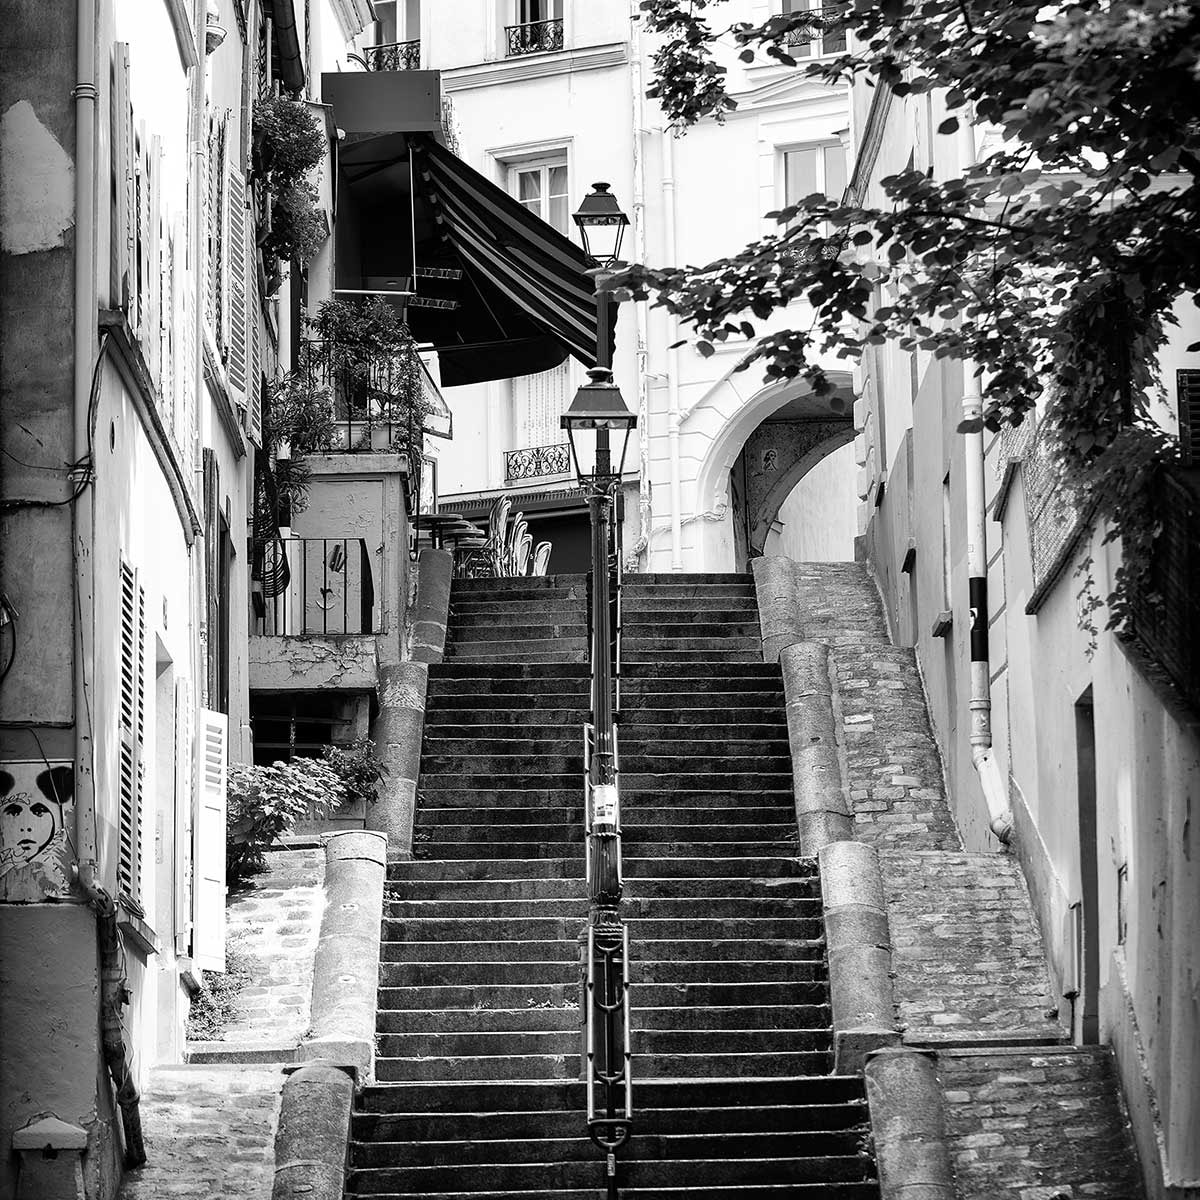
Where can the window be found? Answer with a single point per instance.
(814, 169)
(541, 187)
(538, 27)
(299, 725)
(818, 36)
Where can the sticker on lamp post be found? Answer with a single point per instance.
(604, 805)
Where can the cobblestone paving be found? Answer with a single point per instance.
(1038, 1125)
(1025, 1123)
(966, 948)
(210, 1132)
(277, 919)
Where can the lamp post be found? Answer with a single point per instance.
(598, 406)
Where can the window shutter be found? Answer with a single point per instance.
(123, 279)
(184, 801)
(154, 308)
(1187, 387)
(254, 322)
(208, 898)
(212, 499)
(215, 218)
(132, 722)
(238, 309)
(139, 293)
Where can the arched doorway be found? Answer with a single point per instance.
(765, 448)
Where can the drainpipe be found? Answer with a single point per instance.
(673, 414)
(995, 792)
(86, 382)
(645, 510)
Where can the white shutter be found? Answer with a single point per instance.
(253, 322)
(184, 799)
(208, 868)
(132, 729)
(124, 213)
(237, 308)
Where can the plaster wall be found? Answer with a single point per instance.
(49, 1014)
(820, 515)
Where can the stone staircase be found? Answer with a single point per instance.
(478, 1022)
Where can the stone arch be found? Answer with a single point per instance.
(726, 419)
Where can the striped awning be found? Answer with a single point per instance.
(512, 258)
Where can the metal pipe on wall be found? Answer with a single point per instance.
(995, 791)
(674, 419)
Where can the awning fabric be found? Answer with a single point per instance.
(515, 261)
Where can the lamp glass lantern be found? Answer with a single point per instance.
(598, 405)
(602, 225)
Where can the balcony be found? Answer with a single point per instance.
(822, 31)
(536, 462)
(391, 56)
(534, 37)
(329, 589)
(382, 400)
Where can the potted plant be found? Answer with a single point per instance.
(288, 142)
(370, 359)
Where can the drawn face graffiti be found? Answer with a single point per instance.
(27, 825)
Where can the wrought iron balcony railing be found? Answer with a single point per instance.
(328, 588)
(533, 462)
(823, 30)
(391, 56)
(534, 37)
(381, 399)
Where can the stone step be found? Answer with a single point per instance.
(645, 1147)
(695, 1096)
(644, 610)
(705, 1064)
(497, 763)
(495, 782)
(556, 868)
(665, 949)
(541, 650)
(465, 607)
(449, 719)
(649, 737)
(761, 866)
(493, 850)
(702, 628)
(415, 1127)
(705, 757)
(505, 585)
(732, 676)
(687, 592)
(551, 627)
(678, 997)
(640, 701)
(801, 1191)
(713, 650)
(541, 673)
(448, 793)
(645, 929)
(775, 777)
(488, 887)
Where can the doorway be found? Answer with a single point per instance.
(1087, 1022)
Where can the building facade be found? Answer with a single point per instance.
(1096, 746)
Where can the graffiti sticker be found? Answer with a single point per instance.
(36, 806)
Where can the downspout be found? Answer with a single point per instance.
(645, 507)
(995, 792)
(673, 414)
(86, 384)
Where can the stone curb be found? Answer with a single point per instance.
(860, 954)
(397, 732)
(908, 1126)
(776, 588)
(431, 612)
(313, 1133)
(822, 811)
(346, 965)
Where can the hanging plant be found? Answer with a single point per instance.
(297, 228)
(288, 140)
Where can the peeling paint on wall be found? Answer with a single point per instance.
(37, 184)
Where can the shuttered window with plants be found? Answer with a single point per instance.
(132, 718)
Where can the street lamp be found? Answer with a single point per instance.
(598, 406)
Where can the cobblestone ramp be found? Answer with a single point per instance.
(1029, 1117)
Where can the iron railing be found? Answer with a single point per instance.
(823, 29)
(1166, 621)
(534, 37)
(380, 399)
(329, 589)
(391, 56)
(532, 462)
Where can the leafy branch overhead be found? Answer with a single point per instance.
(1052, 265)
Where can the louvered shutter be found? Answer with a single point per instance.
(238, 309)
(124, 216)
(132, 723)
(215, 225)
(185, 793)
(254, 334)
(208, 908)
(1187, 387)
(153, 311)
(212, 568)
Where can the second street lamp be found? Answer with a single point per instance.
(599, 408)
